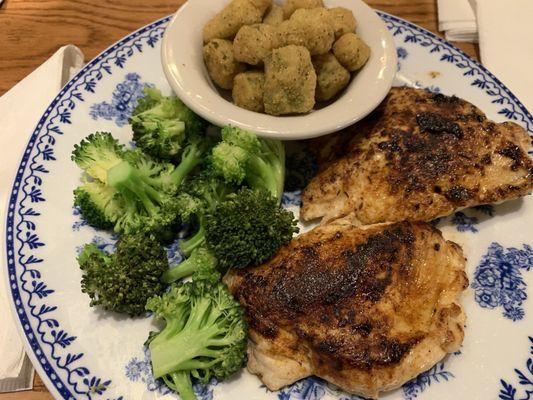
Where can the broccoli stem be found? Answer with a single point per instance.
(198, 335)
(265, 177)
(191, 157)
(181, 383)
(127, 181)
(185, 268)
(189, 245)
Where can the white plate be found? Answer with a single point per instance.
(184, 67)
(82, 353)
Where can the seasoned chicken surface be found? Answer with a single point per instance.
(418, 157)
(366, 308)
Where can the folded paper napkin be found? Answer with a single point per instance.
(504, 31)
(18, 117)
(506, 44)
(457, 20)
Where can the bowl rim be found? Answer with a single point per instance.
(299, 124)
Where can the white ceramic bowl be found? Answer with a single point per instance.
(185, 70)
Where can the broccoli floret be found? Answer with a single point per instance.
(98, 153)
(96, 202)
(142, 190)
(125, 280)
(248, 228)
(205, 335)
(203, 194)
(244, 157)
(202, 264)
(161, 123)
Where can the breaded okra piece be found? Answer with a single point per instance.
(332, 77)
(343, 21)
(274, 16)
(291, 6)
(311, 28)
(351, 51)
(220, 63)
(227, 22)
(248, 89)
(254, 42)
(290, 81)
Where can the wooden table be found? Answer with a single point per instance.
(32, 30)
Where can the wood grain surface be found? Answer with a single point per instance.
(32, 30)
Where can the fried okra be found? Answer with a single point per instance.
(290, 81)
(351, 51)
(332, 77)
(343, 21)
(227, 22)
(254, 42)
(311, 28)
(220, 63)
(290, 6)
(274, 16)
(248, 88)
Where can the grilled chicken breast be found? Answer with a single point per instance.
(418, 157)
(366, 308)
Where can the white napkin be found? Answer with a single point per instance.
(506, 44)
(457, 20)
(20, 110)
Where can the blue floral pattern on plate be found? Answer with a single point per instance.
(524, 389)
(124, 100)
(498, 280)
(437, 373)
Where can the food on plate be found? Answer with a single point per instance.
(290, 81)
(248, 228)
(201, 262)
(242, 157)
(290, 6)
(274, 16)
(199, 196)
(365, 308)
(127, 189)
(332, 77)
(236, 14)
(220, 62)
(342, 21)
(160, 124)
(419, 156)
(240, 229)
(290, 84)
(248, 90)
(226, 189)
(204, 337)
(125, 280)
(254, 42)
(311, 28)
(351, 51)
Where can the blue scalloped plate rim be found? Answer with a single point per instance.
(46, 364)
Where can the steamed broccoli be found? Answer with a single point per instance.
(130, 191)
(248, 228)
(161, 124)
(202, 264)
(244, 157)
(202, 195)
(96, 201)
(205, 335)
(125, 280)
